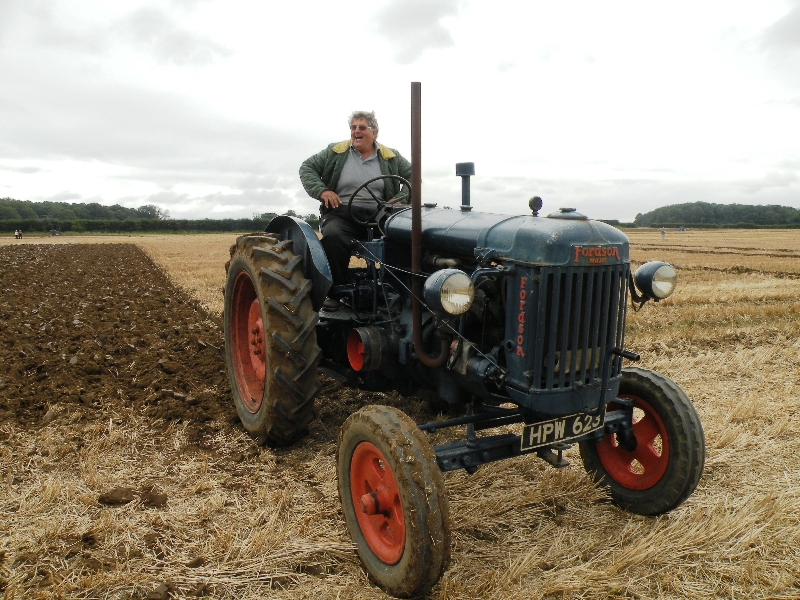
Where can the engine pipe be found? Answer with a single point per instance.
(431, 362)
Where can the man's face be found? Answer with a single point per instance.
(361, 136)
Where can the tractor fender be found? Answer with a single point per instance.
(305, 243)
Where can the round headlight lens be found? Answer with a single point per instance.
(656, 279)
(664, 281)
(450, 291)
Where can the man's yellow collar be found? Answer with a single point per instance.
(386, 153)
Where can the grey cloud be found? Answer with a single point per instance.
(148, 28)
(775, 179)
(93, 118)
(48, 29)
(784, 33)
(64, 196)
(158, 138)
(506, 66)
(224, 206)
(610, 199)
(187, 4)
(414, 26)
(24, 170)
(152, 29)
(791, 164)
(8, 12)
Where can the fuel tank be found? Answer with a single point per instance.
(561, 238)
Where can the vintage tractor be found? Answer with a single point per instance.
(507, 320)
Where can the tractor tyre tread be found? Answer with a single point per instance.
(291, 379)
(686, 446)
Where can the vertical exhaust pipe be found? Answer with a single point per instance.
(465, 171)
(416, 234)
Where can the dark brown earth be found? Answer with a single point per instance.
(97, 335)
(94, 325)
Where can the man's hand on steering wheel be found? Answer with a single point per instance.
(383, 207)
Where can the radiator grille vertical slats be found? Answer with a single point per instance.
(554, 301)
(565, 327)
(595, 324)
(585, 321)
(621, 308)
(605, 300)
(541, 318)
(580, 276)
(580, 316)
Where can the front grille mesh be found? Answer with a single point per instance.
(579, 314)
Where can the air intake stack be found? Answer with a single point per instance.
(465, 171)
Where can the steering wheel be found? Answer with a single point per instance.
(383, 209)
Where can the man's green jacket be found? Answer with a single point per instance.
(321, 172)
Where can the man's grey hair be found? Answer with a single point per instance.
(369, 116)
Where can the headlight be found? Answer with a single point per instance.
(450, 291)
(656, 280)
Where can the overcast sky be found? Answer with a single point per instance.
(207, 108)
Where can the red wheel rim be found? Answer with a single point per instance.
(377, 504)
(644, 467)
(247, 342)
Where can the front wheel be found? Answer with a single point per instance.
(394, 500)
(667, 462)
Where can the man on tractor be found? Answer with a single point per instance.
(334, 174)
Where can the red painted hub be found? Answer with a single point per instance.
(247, 342)
(644, 467)
(377, 503)
(355, 350)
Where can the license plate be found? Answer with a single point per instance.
(546, 433)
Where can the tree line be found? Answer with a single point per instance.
(705, 214)
(96, 218)
(11, 210)
(93, 217)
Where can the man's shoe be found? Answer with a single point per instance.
(331, 304)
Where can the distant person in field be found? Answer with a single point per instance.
(332, 175)
(663, 233)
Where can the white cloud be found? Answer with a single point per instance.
(414, 26)
(785, 32)
(150, 28)
(207, 108)
(64, 196)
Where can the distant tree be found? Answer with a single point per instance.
(26, 211)
(312, 220)
(59, 211)
(7, 210)
(151, 211)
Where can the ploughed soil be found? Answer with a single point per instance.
(124, 470)
(85, 325)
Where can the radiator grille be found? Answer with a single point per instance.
(579, 313)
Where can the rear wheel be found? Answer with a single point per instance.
(394, 500)
(666, 465)
(270, 342)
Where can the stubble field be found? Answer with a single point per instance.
(124, 472)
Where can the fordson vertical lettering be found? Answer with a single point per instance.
(521, 316)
